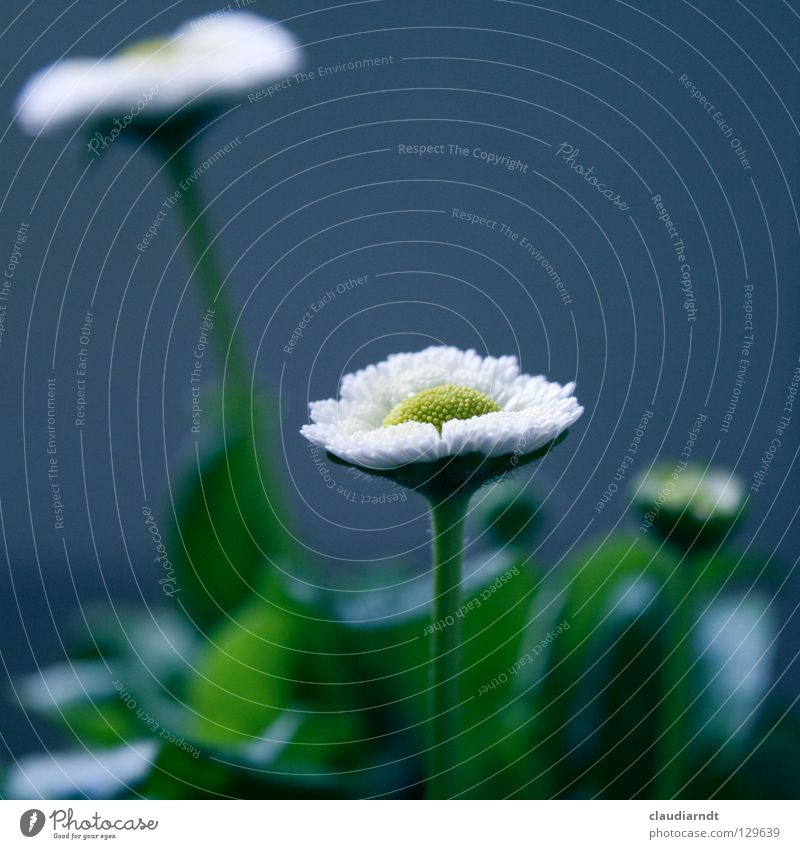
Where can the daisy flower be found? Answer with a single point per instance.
(443, 421)
(163, 91)
(437, 404)
(205, 61)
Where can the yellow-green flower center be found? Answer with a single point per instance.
(441, 404)
(147, 46)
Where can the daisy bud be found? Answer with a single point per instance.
(689, 504)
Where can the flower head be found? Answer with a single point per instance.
(441, 405)
(690, 504)
(204, 61)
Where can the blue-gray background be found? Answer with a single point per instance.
(315, 192)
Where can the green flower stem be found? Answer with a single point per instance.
(676, 690)
(208, 270)
(448, 516)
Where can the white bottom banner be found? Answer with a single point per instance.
(353, 825)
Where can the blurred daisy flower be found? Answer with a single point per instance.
(441, 403)
(206, 61)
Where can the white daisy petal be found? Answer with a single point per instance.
(204, 60)
(532, 411)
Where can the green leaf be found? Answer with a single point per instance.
(275, 654)
(600, 701)
(766, 769)
(228, 519)
(246, 674)
(728, 569)
(281, 665)
(178, 774)
(594, 703)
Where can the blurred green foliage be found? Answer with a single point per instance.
(225, 524)
(271, 689)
